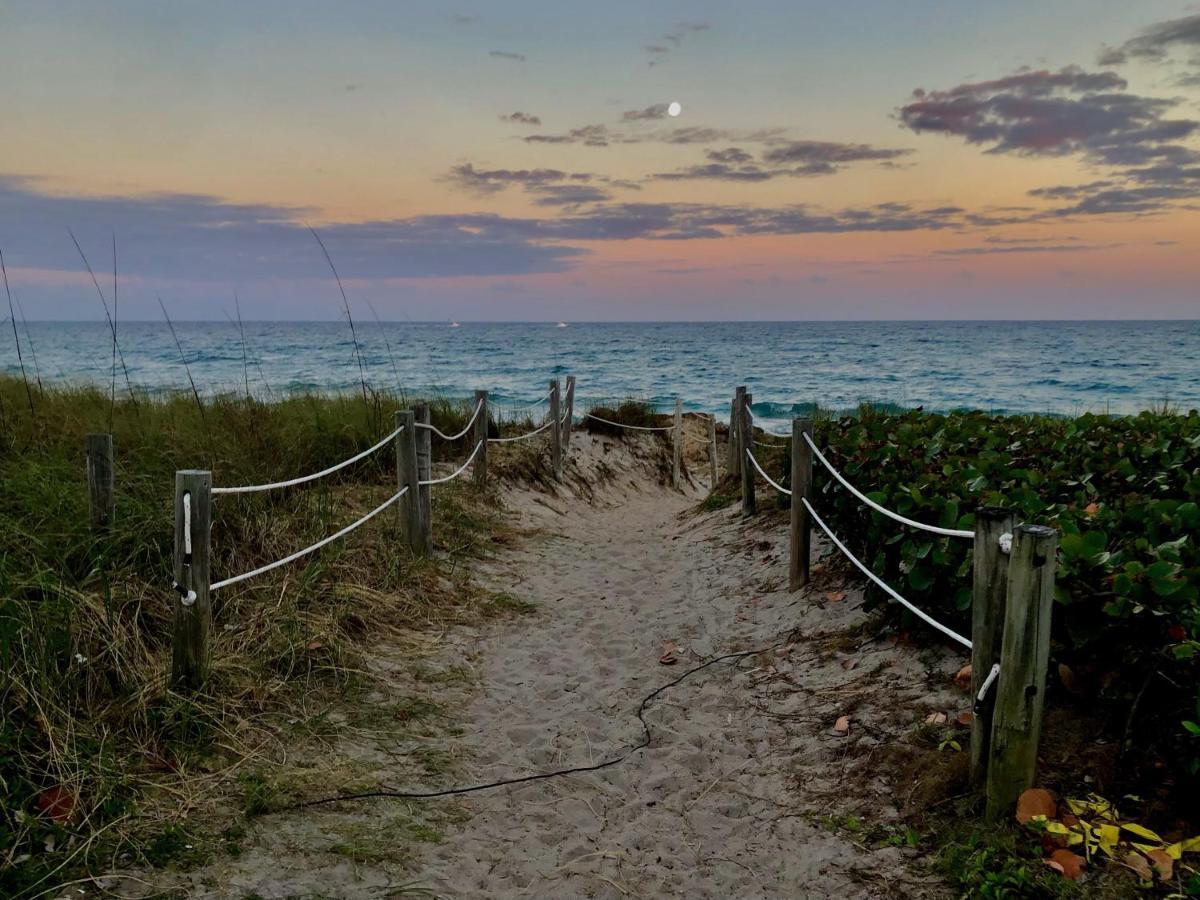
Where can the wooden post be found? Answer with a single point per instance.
(746, 440)
(989, 592)
(481, 434)
(735, 429)
(1024, 654)
(712, 453)
(570, 414)
(555, 429)
(800, 543)
(102, 495)
(677, 444)
(192, 617)
(409, 506)
(424, 472)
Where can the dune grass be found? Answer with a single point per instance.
(99, 759)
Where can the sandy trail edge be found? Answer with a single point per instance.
(724, 803)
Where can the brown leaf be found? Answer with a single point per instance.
(1091, 509)
(935, 718)
(58, 803)
(965, 717)
(1163, 865)
(963, 678)
(668, 657)
(1036, 802)
(841, 727)
(835, 596)
(1072, 864)
(315, 645)
(1140, 865)
(1056, 866)
(1069, 680)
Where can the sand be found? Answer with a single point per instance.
(728, 800)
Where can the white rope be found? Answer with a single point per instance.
(948, 532)
(924, 617)
(317, 546)
(521, 437)
(187, 523)
(770, 480)
(987, 683)
(458, 472)
(504, 407)
(454, 437)
(633, 427)
(252, 488)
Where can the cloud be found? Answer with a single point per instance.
(505, 54)
(588, 135)
(1074, 112)
(567, 195)
(1155, 42)
(461, 19)
(547, 187)
(787, 159)
(520, 118)
(657, 111)
(673, 40)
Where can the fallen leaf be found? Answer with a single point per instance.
(1162, 864)
(1140, 865)
(1068, 679)
(1072, 863)
(935, 718)
(1056, 866)
(963, 678)
(58, 803)
(965, 717)
(841, 727)
(315, 645)
(1036, 802)
(1091, 509)
(835, 596)
(669, 651)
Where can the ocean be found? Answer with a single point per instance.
(1057, 367)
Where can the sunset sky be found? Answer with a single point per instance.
(516, 161)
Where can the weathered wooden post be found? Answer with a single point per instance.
(409, 506)
(192, 616)
(102, 495)
(569, 418)
(424, 472)
(735, 428)
(712, 453)
(746, 442)
(1024, 654)
(800, 537)
(677, 444)
(481, 435)
(989, 592)
(555, 429)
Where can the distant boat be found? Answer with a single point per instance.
(561, 325)
(455, 325)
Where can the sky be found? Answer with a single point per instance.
(1010, 159)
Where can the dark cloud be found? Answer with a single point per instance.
(718, 171)
(673, 40)
(521, 118)
(657, 111)
(491, 181)
(1074, 112)
(588, 135)
(729, 155)
(1005, 249)
(1156, 42)
(828, 153)
(461, 19)
(505, 54)
(567, 195)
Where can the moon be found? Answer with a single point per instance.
(674, 108)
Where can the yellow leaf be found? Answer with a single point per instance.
(1191, 845)
(1141, 832)
(1108, 836)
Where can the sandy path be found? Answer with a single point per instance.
(729, 798)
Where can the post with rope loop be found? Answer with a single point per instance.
(746, 440)
(712, 453)
(735, 426)
(799, 545)
(425, 471)
(101, 491)
(408, 507)
(192, 610)
(555, 430)
(569, 417)
(480, 472)
(677, 444)
(988, 594)
(1024, 656)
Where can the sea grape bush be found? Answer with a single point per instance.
(1123, 491)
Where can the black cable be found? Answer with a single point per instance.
(541, 776)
